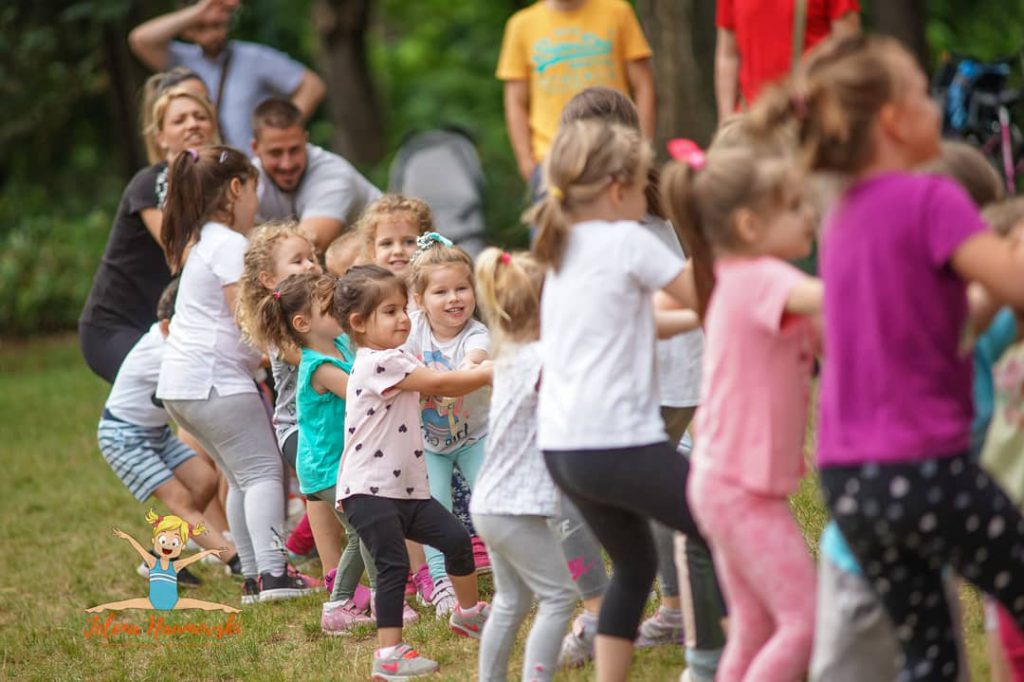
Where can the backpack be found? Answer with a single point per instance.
(442, 168)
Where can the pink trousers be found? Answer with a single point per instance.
(768, 576)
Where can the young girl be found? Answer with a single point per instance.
(514, 496)
(390, 229)
(896, 411)
(598, 417)
(206, 377)
(382, 484)
(748, 214)
(444, 336)
(276, 251)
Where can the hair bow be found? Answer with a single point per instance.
(687, 151)
(424, 241)
(505, 257)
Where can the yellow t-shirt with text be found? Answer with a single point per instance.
(561, 53)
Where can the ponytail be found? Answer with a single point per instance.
(197, 189)
(585, 157)
(677, 186)
(508, 289)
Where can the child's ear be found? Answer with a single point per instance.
(357, 323)
(236, 187)
(301, 323)
(745, 226)
(265, 280)
(417, 298)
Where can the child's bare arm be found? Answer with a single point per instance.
(806, 297)
(327, 377)
(451, 384)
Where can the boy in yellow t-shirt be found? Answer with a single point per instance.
(556, 48)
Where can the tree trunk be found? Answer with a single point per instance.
(126, 80)
(351, 98)
(681, 33)
(904, 20)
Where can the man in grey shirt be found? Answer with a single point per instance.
(250, 72)
(301, 181)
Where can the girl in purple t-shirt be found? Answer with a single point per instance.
(382, 483)
(759, 350)
(898, 251)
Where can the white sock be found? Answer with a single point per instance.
(671, 615)
(384, 652)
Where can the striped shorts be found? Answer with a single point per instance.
(143, 457)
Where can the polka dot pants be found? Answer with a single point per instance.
(904, 523)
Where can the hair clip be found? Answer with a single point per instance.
(194, 154)
(687, 151)
(277, 295)
(223, 156)
(556, 192)
(505, 257)
(425, 241)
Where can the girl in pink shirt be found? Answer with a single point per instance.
(382, 482)
(894, 437)
(747, 216)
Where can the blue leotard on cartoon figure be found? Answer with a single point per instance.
(163, 586)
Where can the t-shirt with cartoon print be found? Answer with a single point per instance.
(450, 423)
(383, 446)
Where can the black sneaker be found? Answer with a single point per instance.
(250, 592)
(284, 586)
(234, 567)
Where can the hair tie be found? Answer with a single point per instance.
(223, 156)
(277, 295)
(688, 152)
(425, 241)
(798, 104)
(194, 154)
(505, 257)
(556, 192)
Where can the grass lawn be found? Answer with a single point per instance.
(58, 502)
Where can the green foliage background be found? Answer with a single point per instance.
(61, 169)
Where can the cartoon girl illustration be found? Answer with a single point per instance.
(170, 533)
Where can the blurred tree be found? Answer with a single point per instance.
(904, 20)
(351, 96)
(683, 66)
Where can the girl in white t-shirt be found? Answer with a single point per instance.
(599, 423)
(206, 378)
(382, 483)
(446, 336)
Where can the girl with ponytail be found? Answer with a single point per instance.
(206, 379)
(514, 495)
(599, 423)
(898, 252)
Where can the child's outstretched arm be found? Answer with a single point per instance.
(143, 552)
(806, 297)
(327, 377)
(995, 263)
(674, 305)
(450, 384)
(188, 561)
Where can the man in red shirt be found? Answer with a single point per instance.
(755, 42)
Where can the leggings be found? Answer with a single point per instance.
(618, 491)
(384, 524)
(236, 432)
(768, 577)
(105, 348)
(527, 563)
(354, 559)
(440, 470)
(904, 522)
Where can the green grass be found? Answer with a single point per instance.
(58, 502)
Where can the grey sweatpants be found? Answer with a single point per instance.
(526, 561)
(236, 431)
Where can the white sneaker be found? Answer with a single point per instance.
(443, 598)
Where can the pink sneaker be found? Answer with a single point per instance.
(409, 614)
(337, 620)
(363, 597)
(424, 586)
(480, 556)
(410, 586)
(329, 580)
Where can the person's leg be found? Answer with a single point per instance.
(382, 523)
(236, 430)
(853, 638)
(434, 526)
(353, 558)
(214, 510)
(326, 533)
(530, 549)
(439, 475)
(510, 605)
(582, 555)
